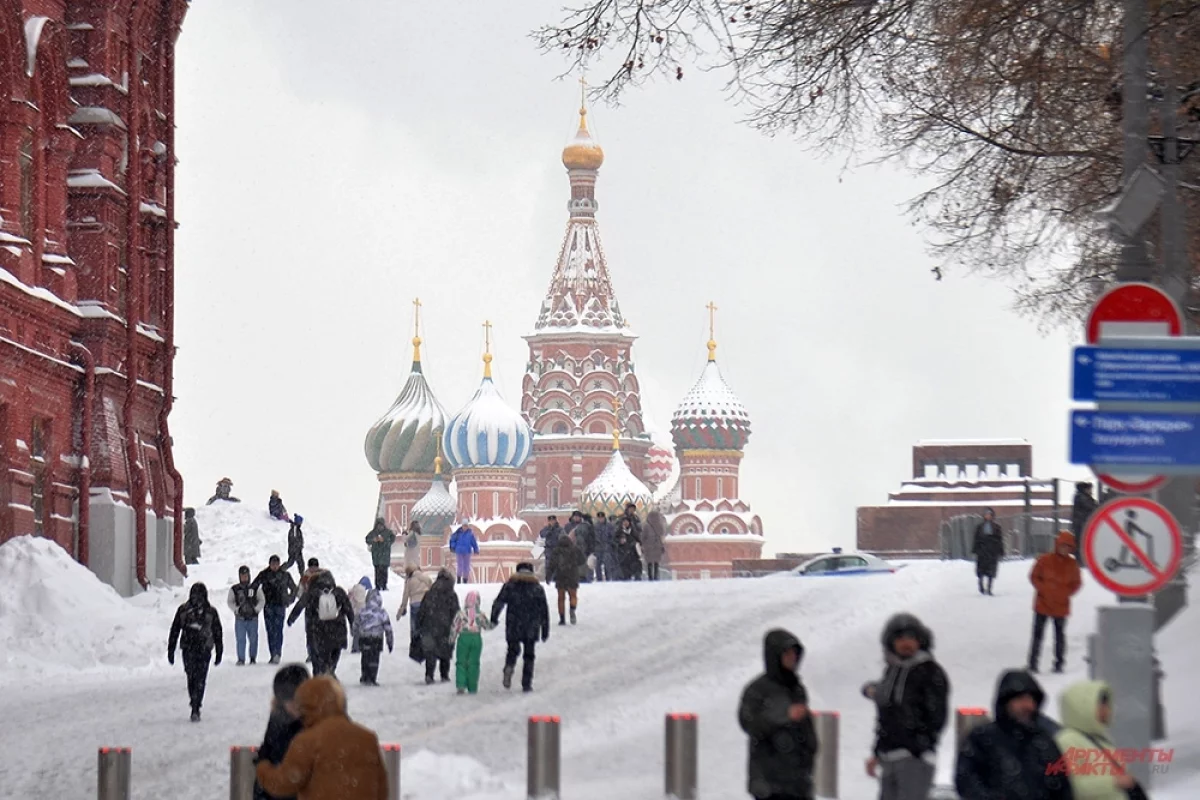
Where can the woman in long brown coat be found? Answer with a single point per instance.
(653, 548)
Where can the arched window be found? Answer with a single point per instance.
(720, 487)
(597, 427)
(475, 505)
(560, 428)
(697, 485)
(495, 504)
(554, 497)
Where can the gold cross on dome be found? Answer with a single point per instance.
(712, 319)
(487, 336)
(416, 316)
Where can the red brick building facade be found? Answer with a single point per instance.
(86, 282)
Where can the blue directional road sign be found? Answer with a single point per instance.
(1132, 441)
(1138, 375)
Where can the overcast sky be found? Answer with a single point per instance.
(336, 165)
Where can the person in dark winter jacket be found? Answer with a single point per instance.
(295, 545)
(191, 537)
(279, 590)
(275, 507)
(635, 521)
(374, 627)
(774, 713)
(654, 534)
(380, 540)
(528, 620)
(549, 536)
(327, 616)
(464, 545)
(435, 621)
(1008, 758)
(988, 548)
(606, 554)
(224, 487)
(284, 723)
(246, 602)
(1082, 509)
(568, 561)
(196, 629)
(580, 528)
(628, 560)
(911, 709)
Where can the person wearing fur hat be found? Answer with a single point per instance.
(988, 547)
(527, 620)
(911, 706)
(1056, 579)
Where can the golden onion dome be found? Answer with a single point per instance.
(582, 152)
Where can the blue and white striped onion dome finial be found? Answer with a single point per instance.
(487, 432)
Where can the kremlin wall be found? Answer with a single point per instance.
(578, 439)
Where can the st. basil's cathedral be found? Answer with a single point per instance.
(579, 440)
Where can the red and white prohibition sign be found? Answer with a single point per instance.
(1133, 546)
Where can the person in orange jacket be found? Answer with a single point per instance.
(1056, 578)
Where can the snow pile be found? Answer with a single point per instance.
(429, 776)
(56, 615)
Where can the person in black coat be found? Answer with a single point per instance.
(279, 590)
(988, 548)
(435, 622)
(528, 620)
(774, 714)
(295, 545)
(1082, 509)
(326, 637)
(191, 537)
(911, 705)
(549, 536)
(1008, 759)
(628, 560)
(284, 723)
(196, 629)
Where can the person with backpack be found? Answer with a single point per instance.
(295, 545)
(469, 625)
(380, 540)
(279, 590)
(283, 725)
(196, 630)
(246, 602)
(327, 615)
(463, 544)
(435, 621)
(528, 620)
(374, 624)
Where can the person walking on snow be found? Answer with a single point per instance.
(275, 507)
(278, 590)
(469, 625)
(191, 537)
(246, 602)
(774, 714)
(374, 625)
(380, 540)
(549, 536)
(416, 585)
(327, 615)
(295, 545)
(358, 601)
(1011, 757)
(528, 620)
(911, 706)
(628, 560)
(196, 629)
(463, 544)
(412, 545)
(435, 621)
(1056, 579)
(1082, 508)
(988, 547)
(284, 723)
(332, 758)
(1086, 712)
(606, 559)
(654, 534)
(569, 562)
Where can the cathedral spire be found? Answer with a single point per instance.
(416, 340)
(712, 331)
(487, 349)
(616, 404)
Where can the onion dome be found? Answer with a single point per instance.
(436, 510)
(659, 465)
(405, 439)
(614, 488)
(582, 152)
(487, 433)
(710, 417)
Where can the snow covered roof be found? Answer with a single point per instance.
(90, 179)
(95, 115)
(614, 488)
(580, 297)
(436, 509)
(487, 432)
(405, 439)
(710, 416)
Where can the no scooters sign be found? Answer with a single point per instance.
(1134, 546)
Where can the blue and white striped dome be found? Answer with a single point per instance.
(487, 433)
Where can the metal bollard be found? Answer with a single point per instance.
(967, 720)
(543, 767)
(391, 763)
(682, 759)
(242, 772)
(113, 773)
(825, 770)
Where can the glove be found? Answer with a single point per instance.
(389, 648)
(217, 663)
(171, 658)
(545, 636)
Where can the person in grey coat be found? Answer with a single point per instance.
(191, 537)
(654, 533)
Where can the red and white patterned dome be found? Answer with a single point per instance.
(659, 465)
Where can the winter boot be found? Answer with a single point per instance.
(981, 589)
(526, 689)
(429, 680)
(562, 620)
(508, 675)
(195, 715)
(274, 659)
(573, 620)
(989, 589)
(241, 663)
(462, 691)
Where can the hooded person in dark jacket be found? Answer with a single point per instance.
(435, 621)
(380, 540)
(327, 616)
(911, 709)
(774, 714)
(988, 548)
(528, 620)
(284, 723)
(606, 554)
(196, 629)
(295, 545)
(1009, 758)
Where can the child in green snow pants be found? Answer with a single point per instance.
(466, 666)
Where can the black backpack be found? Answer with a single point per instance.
(197, 629)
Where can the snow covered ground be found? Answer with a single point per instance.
(81, 668)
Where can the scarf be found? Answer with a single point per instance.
(895, 677)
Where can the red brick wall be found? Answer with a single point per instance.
(902, 527)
